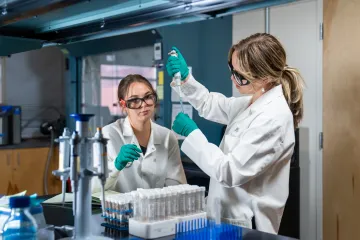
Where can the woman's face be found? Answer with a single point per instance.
(138, 92)
(251, 88)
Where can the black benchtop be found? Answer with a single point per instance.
(59, 216)
(28, 143)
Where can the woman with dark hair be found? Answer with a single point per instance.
(141, 153)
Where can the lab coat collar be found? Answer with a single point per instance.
(155, 138)
(266, 98)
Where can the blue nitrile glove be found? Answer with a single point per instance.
(128, 153)
(177, 64)
(184, 125)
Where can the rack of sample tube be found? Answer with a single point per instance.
(153, 213)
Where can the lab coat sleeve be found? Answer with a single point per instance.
(248, 155)
(211, 105)
(175, 171)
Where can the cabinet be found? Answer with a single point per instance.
(24, 169)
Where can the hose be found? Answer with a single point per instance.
(47, 166)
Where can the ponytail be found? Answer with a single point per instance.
(293, 87)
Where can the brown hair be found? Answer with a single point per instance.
(262, 56)
(128, 80)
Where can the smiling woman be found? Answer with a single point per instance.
(141, 154)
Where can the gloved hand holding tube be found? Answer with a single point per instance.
(184, 125)
(177, 68)
(128, 153)
(176, 63)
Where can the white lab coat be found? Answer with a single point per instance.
(249, 171)
(161, 166)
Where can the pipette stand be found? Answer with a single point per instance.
(81, 171)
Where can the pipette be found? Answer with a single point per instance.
(74, 167)
(100, 159)
(177, 79)
(64, 160)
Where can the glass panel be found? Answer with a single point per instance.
(101, 76)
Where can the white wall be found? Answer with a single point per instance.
(297, 27)
(35, 81)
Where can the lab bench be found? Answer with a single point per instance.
(22, 167)
(59, 216)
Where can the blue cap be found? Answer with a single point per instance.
(81, 117)
(19, 202)
(6, 108)
(36, 209)
(17, 111)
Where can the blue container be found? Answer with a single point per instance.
(20, 225)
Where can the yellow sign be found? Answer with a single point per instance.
(161, 77)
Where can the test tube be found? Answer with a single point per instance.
(198, 200)
(202, 198)
(162, 205)
(135, 206)
(187, 201)
(168, 207)
(151, 207)
(193, 201)
(175, 203)
(142, 207)
(181, 201)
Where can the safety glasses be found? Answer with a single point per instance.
(136, 103)
(238, 77)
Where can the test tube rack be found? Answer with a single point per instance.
(151, 230)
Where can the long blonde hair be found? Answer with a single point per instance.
(262, 56)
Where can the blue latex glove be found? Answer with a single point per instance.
(128, 153)
(177, 64)
(184, 125)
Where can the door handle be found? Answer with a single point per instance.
(18, 159)
(8, 160)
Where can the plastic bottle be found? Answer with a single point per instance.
(37, 212)
(20, 225)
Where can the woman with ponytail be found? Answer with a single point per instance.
(250, 169)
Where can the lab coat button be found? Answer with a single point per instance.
(154, 160)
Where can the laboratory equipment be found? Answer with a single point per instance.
(64, 160)
(20, 224)
(153, 213)
(10, 125)
(38, 214)
(81, 171)
(100, 158)
(207, 229)
(177, 80)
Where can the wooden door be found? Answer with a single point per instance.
(5, 171)
(341, 120)
(30, 170)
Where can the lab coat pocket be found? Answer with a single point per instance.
(230, 143)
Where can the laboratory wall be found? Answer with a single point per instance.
(34, 80)
(205, 46)
(297, 27)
